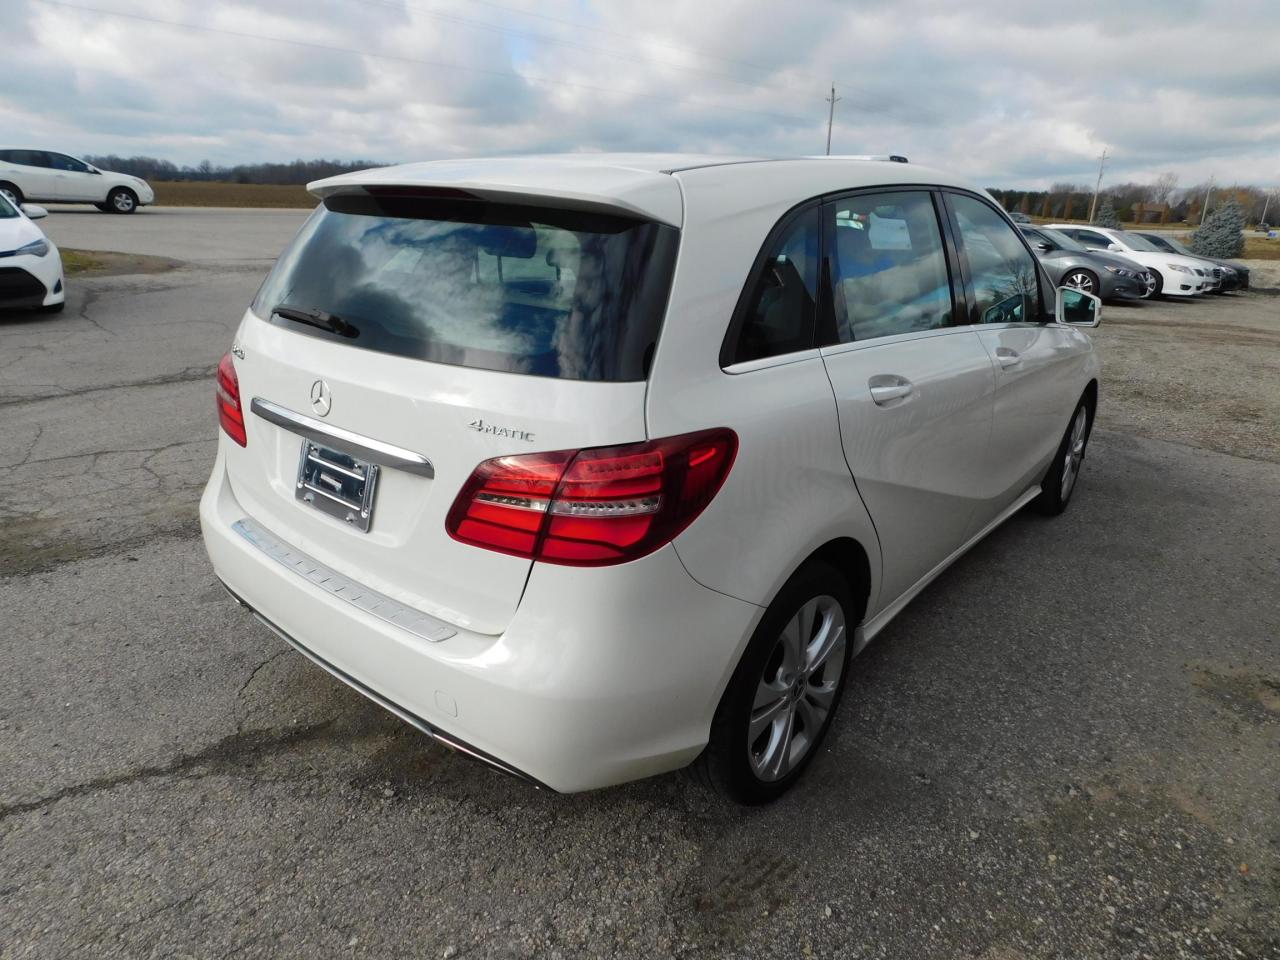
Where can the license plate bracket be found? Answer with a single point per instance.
(337, 483)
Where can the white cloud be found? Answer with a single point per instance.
(1006, 92)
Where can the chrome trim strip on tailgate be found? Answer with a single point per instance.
(366, 448)
(391, 706)
(370, 601)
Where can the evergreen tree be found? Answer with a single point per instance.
(1222, 234)
(1107, 215)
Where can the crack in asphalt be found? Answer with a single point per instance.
(187, 375)
(235, 750)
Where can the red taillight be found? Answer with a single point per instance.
(592, 507)
(230, 413)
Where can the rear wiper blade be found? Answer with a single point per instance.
(317, 318)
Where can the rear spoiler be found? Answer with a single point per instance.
(594, 189)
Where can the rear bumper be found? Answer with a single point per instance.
(604, 675)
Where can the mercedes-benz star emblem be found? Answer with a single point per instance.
(321, 398)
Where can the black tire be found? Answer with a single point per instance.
(12, 190)
(103, 207)
(1054, 493)
(1082, 279)
(1159, 285)
(726, 765)
(52, 307)
(122, 200)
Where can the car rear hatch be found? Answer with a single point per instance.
(405, 338)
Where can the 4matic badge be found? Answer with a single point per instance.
(479, 426)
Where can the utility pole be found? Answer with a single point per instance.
(1265, 203)
(831, 114)
(1102, 163)
(1207, 194)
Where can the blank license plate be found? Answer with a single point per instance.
(337, 484)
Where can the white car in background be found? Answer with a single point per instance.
(48, 177)
(1174, 274)
(593, 466)
(30, 265)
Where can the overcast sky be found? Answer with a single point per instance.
(1017, 93)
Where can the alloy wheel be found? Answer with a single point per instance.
(1075, 452)
(9, 195)
(1081, 281)
(123, 201)
(797, 688)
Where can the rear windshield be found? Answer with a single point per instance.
(552, 293)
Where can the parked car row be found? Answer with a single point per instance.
(1118, 264)
(46, 177)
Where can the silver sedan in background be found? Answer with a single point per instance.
(1105, 275)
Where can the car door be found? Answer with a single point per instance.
(1037, 361)
(73, 181)
(913, 390)
(32, 174)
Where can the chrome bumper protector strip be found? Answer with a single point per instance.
(365, 448)
(377, 604)
(445, 739)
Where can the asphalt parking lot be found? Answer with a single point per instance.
(1067, 747)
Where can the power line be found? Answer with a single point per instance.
(333, 48)
(549, 38)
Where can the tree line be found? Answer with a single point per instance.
(1160, 201)
(293, 172)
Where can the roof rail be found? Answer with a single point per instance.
(883, 157)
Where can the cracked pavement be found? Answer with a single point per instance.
(1068, 746)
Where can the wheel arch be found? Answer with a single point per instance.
(849, 558)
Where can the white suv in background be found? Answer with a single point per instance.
(1175, 275)
(46, 177)
(595, 466)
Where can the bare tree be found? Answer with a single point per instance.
(1161, 189)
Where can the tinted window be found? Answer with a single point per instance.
(1001, 269)
(780, 312)
(520, 289)
(889, 272)
(29, 158)
(1061, 240)
(61, 161)
(7, 210)
(1091, 239)
(1159, 243)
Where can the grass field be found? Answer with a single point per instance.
(185, 193)
(100, 263)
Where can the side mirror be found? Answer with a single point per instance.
(33, 212)
(1114, 247)
(1044, 245)
(1077, 308)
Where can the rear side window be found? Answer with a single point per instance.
(532, 290)
(779, 314)
(889, 271)
(29, 158)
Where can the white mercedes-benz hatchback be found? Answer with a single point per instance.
(595, 466)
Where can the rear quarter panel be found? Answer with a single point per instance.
(789, 491)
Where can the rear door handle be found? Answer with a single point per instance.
(1007, 358)
(888, 387)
